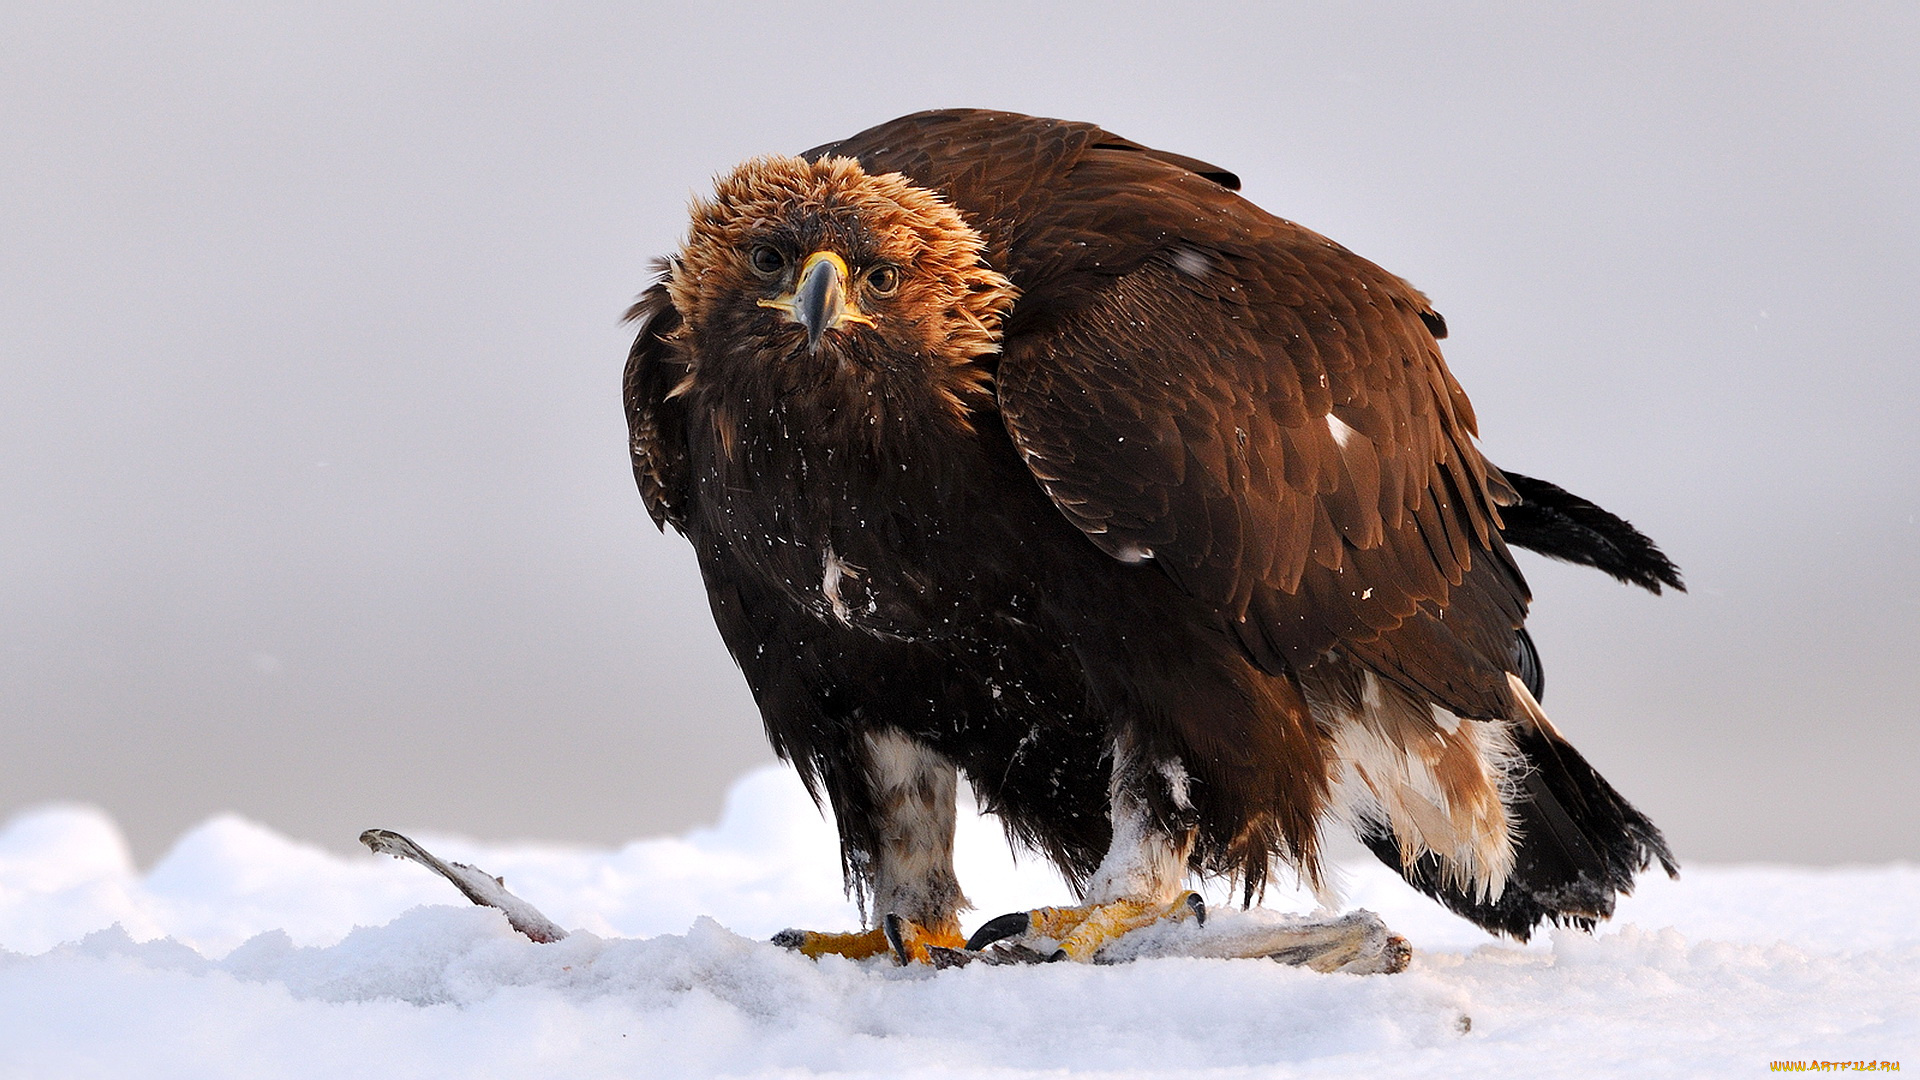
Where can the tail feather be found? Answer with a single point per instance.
(1576, 843)
(1555, 522)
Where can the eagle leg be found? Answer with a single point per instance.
(1139, 882)
(902, 801)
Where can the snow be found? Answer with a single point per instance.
(244, 953)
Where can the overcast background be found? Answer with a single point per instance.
(314, 500)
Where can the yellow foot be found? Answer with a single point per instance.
(907, 940)
(1081, 932)
(915, 944)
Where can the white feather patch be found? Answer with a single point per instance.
(836, 571)
(1342, 433)
(1192, 263)
(1437, 782)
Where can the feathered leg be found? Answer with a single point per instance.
(1140, 881)
(904, 869)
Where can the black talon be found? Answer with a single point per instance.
(1198, 906)
(896, 937)
(1000, 929)
(790, 939)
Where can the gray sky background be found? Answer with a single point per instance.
(314, 502)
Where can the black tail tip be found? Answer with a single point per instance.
(1552, 521)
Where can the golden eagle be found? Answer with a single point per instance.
(1014, 448)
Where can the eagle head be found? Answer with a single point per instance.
(816, 281)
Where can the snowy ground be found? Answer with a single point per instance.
(245, 954)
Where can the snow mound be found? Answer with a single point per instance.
(246, 954)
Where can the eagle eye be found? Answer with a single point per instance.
(882, 280)
(767, 259)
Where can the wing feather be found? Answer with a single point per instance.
(656, 422)
(1264, 412)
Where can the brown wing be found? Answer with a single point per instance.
(655, 421)
(1264, 414)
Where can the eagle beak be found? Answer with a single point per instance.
(819, 302)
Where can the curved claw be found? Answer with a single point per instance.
(1012, 924)
(1197, 904)
(896, 930)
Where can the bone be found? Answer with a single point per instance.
(474, 883)
(1357, 943)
